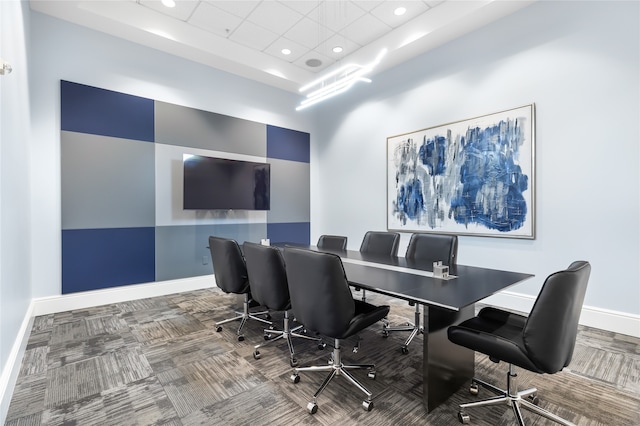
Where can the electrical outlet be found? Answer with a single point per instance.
(205, 261)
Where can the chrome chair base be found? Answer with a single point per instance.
(516, 400)
(337, 368)
(243, 317)
(414, 328)
(286, 333)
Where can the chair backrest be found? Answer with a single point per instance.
(320, 295)
(433, 248)
(267, 276)
(332, 242)
(380, 242)
(228, 265)
(550, 332)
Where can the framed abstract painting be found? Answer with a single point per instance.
(469, 177)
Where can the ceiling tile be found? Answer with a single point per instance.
(238, 8)
(274, 16)
(214, 20)
(301, 6)
(252, 35)
(336, 15)
(347, 45)
(384, 12)
(182, 10)
(367, 5)
(367, 29)
(308, 33)
(297, 50)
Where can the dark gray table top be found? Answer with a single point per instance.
(407, 279)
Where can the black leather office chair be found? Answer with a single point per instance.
(231, 275)
(380, 243)
(541, 342)
(428, 248)
(332, 242)
(269, 288)
(322, 301)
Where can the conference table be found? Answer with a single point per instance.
(446, 302)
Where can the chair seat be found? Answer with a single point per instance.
(496, 333)
(365, 315)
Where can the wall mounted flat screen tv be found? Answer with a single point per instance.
(221, 184)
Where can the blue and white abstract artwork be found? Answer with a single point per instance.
(471, 177)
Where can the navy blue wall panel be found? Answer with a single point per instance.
(87, 109)
(289, 232)
(110, 257)
(287, 144)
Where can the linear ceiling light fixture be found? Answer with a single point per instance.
(336, 82)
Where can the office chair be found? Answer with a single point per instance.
(379, 243)
(332, 242)
(230, 271)
(541, 342)
(426, 248)
(322, 301)
(269, 288)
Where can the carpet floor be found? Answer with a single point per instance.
(159, 361)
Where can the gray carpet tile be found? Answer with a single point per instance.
(159, 361)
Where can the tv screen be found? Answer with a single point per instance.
(221, 184)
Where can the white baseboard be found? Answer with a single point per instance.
(11, 369)
(87, 299)
(604, 319)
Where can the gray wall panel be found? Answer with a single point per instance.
(290, 199)
(183, 126)
(181, 251)
(106, 182)
(169, 190)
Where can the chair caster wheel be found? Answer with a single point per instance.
(385, 334)
(474, 389)
(404, 350)
(256, 354)
(372, 374)
(322, 346)
(463, 418)
(367, 405)
(294, 363)
(240, 338)
(533, 398)
(312, 408)
(295, 378)
(218, 329)
(267, 337)
(267, 317)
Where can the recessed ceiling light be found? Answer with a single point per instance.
(169, 3)
(400, 11)
(337, 49)
(286, 51)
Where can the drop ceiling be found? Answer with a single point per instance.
(247, 37)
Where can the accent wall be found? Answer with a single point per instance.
(121, 187)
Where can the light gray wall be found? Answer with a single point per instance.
(579, 63)
(15, 146)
